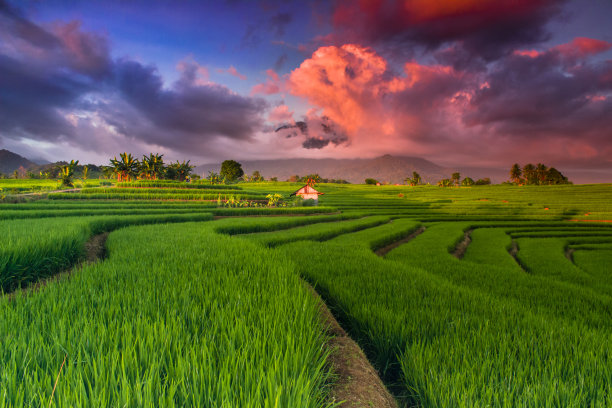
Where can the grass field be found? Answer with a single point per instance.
(497, 296)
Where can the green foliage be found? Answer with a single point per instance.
(274, 199)
(466, 182)
(483, 181)
(67, 173)
(231, 170)
(371, 181)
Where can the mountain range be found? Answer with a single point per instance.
(387, 168)
(9, 162)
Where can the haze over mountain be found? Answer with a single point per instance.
(9, 161)
(387, 168)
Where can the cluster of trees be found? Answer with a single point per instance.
(539, 174)
(151, 167)
(415, 180)
(316, 178)
(455, 181)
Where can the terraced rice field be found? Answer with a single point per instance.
(495, 296)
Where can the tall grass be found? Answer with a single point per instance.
(232, 327)
(56, 244)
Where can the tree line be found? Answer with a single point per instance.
(539, 174)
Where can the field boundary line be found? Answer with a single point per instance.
(357, 382)
(387, 248)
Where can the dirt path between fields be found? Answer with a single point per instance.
(357, 383)
(386, 249)
(463, 245)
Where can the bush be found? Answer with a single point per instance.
(371, 181)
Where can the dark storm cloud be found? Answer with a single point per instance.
(552, 92)
(44, 73)
(49, 73)
(488, 29)
(319, 131)
(198, 111)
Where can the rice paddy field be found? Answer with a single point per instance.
(485, 296)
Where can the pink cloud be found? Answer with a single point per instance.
(280, 113)
(582, 47)
(233, 71)
(270, 87)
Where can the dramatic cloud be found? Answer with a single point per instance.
(280, 113)
(193, 113)
(270, 87)
(317, 131)
(59, 84)
(355, 90)
(527, 98)
(483, 27)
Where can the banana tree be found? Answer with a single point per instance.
(66, 173)
(180, 171)
(126, 168)
(152, 167)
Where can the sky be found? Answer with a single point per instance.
(459, 82)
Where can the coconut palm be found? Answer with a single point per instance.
(516, 173)
(529, 173)
(541, 171)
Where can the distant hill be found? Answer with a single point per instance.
(9, 162)
(387, 168)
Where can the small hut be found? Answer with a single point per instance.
(307, 193)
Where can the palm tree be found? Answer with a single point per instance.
(126, 168)
(529, 173)
(541, 171)
(516, 173)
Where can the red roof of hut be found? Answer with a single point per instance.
(307, 189)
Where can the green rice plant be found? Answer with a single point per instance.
(595, 260)
(315, 232)
(175, 184)
(547, 257)
(431, 252)
(58, 243)
(232, 327)
(439, 344)
(145, 196)
(489, 246)
(377, 237)
(235, 226)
